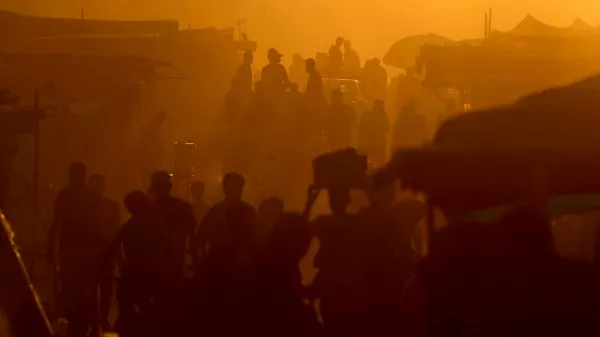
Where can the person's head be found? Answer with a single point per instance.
(336, 96)
(376, 62)
(339, 41)
(311, 66)
(339, 200)
(97, 183)
(248, 58)
(347, 45)
(378, 105)
(233, 186)
(136, 202)
(197, 190)
(161, 184)
(77, 173)
(274, 56)
(294, 87)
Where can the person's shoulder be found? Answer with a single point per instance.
(179, 203)
(248, 207)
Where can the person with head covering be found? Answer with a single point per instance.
(274, 75)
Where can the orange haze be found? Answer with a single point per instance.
(308, 26)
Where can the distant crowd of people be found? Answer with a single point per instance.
(273, 116)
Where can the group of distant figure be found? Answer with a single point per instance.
(273, 115)
(344, 63)
(227, 270)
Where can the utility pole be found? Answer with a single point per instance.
(490, 23)
(36, 152)
(485, 26)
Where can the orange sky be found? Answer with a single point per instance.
(311, 25)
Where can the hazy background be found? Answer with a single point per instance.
(308, 26)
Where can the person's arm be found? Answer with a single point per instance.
(313, 194)
(109, 255)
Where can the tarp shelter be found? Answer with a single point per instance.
(507, 67)
(402, 54)
(531, 26)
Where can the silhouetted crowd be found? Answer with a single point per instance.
(227, 270)
(234, 268)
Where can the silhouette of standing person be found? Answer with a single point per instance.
(312, 121)
(339, 123)
(79, 249)
(274, 75)
(213, 232)
(351, 60)
(245, 76)
(380, 80)
(109, 220)
(336, 58)
(227, 243)
(314, 85)
(374, 127)
(279, 290)
(177, 215)
(389, 257)
(147, 267)
(339, 261)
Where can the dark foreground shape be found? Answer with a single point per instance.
(20, 307)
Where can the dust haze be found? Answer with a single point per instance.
(307, 26)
